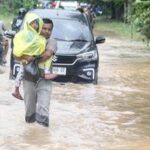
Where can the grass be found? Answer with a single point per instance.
(113, 28)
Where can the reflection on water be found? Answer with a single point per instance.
(113, 115)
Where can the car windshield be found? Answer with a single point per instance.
(71, 30)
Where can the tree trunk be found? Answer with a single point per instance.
(125, 11)
(113, 11)
(117, 11)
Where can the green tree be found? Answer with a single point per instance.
(120, 9)
(12, 6)
(141, 18)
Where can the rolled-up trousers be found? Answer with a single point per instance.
(37, 101)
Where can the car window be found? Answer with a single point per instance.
(69, 30)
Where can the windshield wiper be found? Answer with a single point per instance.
(60, 39)
(79, 40)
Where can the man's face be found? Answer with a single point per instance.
(46, 30)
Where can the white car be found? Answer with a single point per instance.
(69, 5)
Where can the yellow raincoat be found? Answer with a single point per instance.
(29, 42)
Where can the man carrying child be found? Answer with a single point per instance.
(37, 94)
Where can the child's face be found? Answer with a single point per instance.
(35, 25)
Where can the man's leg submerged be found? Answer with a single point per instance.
(30, 101)
(43, 101)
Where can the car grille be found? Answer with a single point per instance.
(65, 59)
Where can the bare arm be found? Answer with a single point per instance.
(50, 49)
(46, 55)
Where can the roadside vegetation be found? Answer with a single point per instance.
(114, 28)
(125, 18)
(134, 13)
(7, 20)
(10, 8)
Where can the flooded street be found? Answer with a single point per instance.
(113, 115)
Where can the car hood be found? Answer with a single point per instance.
(72, 48)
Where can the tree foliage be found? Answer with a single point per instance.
(137, 10)
(141, 17)
(12, 6)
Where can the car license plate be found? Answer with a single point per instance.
(59, 70)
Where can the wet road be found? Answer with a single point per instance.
(113, 115)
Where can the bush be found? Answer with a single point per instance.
(141, 18)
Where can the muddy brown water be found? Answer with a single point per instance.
(113, 115)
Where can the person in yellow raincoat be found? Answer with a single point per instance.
(28, 43)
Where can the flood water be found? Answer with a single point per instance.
(113, 115)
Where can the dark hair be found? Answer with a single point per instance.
(80, 10)
(48, 21)
(22, 12)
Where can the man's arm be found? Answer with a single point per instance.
(46, 55)
(51, 49)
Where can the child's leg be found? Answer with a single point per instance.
(18, 80)
(19, 77)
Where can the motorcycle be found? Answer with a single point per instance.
(1, 53)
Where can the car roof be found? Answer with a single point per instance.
(59, 13)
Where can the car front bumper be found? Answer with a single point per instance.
(83, 70)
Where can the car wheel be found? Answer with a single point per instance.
(95, 80)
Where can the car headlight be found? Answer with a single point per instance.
(92, 55)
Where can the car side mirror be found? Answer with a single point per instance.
(99, 39)
(10, 34)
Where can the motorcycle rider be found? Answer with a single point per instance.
(3, 43)
(1, 53)
(17, 22)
